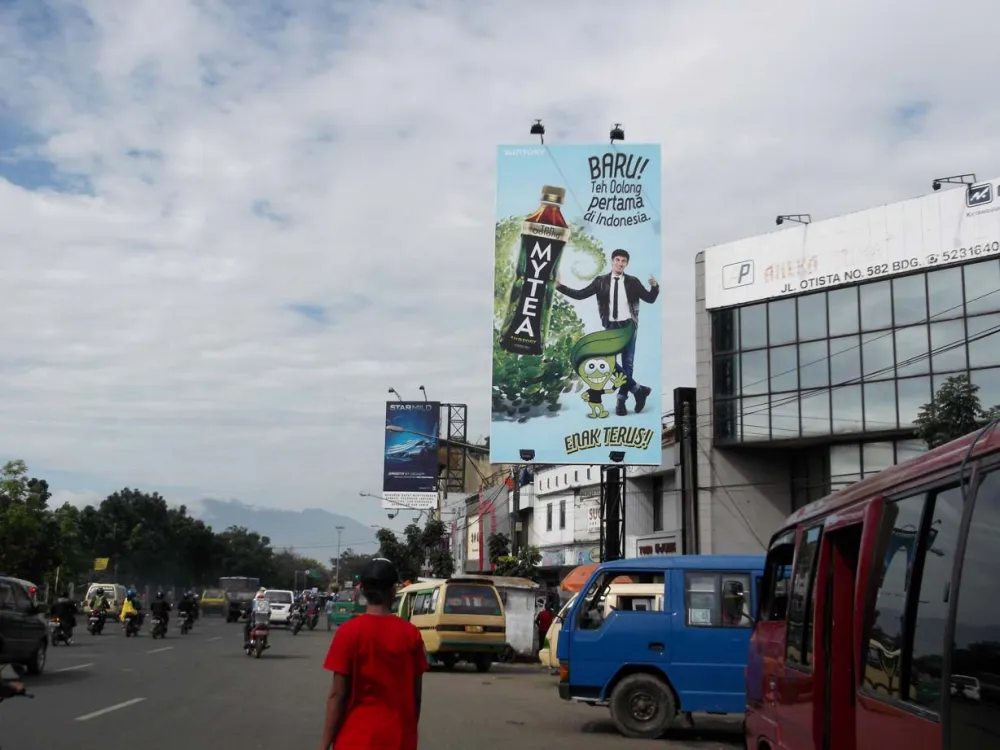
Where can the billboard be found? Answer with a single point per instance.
(576, 305)
(409, 474)
(940, 229)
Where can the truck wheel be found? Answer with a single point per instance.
(483, 663)
(643, 707)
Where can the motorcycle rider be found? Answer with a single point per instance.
(132, 597)
(64, 609)
(260, 613)
(99, 603)
(188, 605)
(160, 608)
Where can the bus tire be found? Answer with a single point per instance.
(642, 707)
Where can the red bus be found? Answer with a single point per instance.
(879, 616)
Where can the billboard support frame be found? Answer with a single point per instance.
(612, 531)
(457, 418)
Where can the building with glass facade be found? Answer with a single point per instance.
(818, 345)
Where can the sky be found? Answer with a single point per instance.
(227, 229)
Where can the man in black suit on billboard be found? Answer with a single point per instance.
(618, 296)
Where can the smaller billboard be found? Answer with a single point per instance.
(410, 470)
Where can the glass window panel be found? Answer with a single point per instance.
(815, 409)
(880, 406)
(844, 305)
(846, 410)
(932, 603)
(909, 300)
(907, 449)
(785, 416)
(984, 340)
(982, 287)
(814, 365)
(753, 326)
(914, 393)
(876, 305)
(784, 369)
(947, 346)
(781, 321)
(756, 419)
(845, 463)
(882, 665)
(753, 367)
(878, 359)
(944, 293)
(726, 415)
(726, 375)
(912, 351)
(989, 386)
(939, 380)
(845, 359)
(812, 316)
(876, 457)
(724, 330)
(974, 709)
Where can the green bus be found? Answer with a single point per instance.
(350, 603)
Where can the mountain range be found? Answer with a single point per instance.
(311, 532)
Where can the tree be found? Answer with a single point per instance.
(498, 546)
(522, 565)
(954, 411)
(351, 564)
(421, 549)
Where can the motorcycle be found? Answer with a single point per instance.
(95, 622)
(59, 632)
(131, 625)
(187, 622)
(296, 621)
(158, 628)
(312, 616)
(258, 640)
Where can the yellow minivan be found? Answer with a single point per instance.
(459, 618)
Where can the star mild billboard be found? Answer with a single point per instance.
(576, 305)
(940, 229)
(409, 475)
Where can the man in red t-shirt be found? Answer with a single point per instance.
(543, 622)
(378, 662)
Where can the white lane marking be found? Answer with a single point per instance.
(74, 667)
(159, 650)
(217, 638)
(109, 709)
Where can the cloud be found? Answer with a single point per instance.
(179, 176)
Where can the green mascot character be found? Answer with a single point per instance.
(595, 360)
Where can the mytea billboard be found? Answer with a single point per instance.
(577, 313)
(944, 228)
(409, 476)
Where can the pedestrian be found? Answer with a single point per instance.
(378, 661)
(543, 621)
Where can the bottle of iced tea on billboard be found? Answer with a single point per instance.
(543, 236)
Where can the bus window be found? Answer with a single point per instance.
(798, 646)
(974, 705)
(773, 600)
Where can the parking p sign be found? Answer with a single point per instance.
(737, 274)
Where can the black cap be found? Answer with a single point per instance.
(380, 572)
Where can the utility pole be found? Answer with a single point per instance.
(339, 529)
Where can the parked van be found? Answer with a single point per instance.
(879, 621)
(459, 618)
(655, 637)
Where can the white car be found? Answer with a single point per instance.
(281, 604)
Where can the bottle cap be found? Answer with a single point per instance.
(552, 194)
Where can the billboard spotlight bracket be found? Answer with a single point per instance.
(800, 218)
(959, 179)
(538, 129)
(617, 134)
(527, 455)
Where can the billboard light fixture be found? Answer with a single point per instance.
(423, 391)
(527, 455)
(800, 218)
(959, 179)
(393, 390)
(538, 129)
(617, 456)
(617, 134)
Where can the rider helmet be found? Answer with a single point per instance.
(159, 594)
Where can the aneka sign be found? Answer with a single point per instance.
(943, 228)
(409, 476)
(576, 305)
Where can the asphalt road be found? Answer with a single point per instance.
(200, 692)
